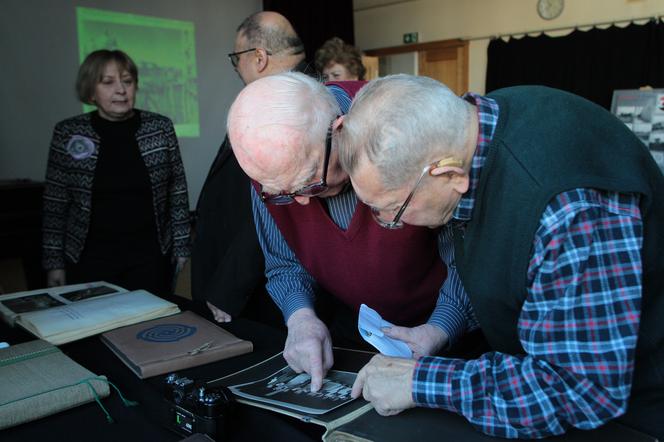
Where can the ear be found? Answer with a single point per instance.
(458, 177)
(261, 59)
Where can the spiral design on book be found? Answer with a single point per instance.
(166, 333)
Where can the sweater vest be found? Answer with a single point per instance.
(397, 273)
(547, 142)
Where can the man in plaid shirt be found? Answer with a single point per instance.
(550, 211)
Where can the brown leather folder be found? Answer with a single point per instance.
(173, 343)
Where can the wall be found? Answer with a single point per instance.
(379, 27)
(40, 60)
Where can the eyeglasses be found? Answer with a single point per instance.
(396, 223)
(234, 57)
(309, 190)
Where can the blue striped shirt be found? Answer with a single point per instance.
(292, 287)
(578, 324)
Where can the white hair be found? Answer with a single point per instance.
(400, 123)
(296, 101)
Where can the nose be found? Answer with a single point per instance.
(120, 87)
(302, 200)
(378, 214)
(385, 215)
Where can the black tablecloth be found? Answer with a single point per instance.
(146, 421)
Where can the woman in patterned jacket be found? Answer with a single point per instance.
(115, 201)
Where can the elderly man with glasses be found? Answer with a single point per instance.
(266, 44)
(227, 262)
(552, 213)
(283, 129)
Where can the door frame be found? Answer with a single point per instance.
(416, 47)
(462, 47)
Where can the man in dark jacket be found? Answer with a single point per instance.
(227, 262)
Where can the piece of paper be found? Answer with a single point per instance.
(370, 323)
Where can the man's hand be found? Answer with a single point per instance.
(308, 346)
(387, 383)
(56, 278)
(423, 340)
(219, 314)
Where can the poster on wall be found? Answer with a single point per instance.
(643, 112)
(165, 54)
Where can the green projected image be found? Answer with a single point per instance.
(164, 51)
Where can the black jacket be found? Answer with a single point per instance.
(227, 264)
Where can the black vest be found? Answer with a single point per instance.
(547, 142)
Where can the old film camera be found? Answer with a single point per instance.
(194, 407)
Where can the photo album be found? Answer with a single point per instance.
(67, 313)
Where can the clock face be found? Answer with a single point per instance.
(550, 9)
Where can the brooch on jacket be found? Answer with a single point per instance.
(80, 147)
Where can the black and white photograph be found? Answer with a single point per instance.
(293, 390)
(91, 292)
(642, 111)
(32, 303)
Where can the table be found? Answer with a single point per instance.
(145, 422)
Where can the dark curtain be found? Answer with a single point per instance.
(316, 21)
(590, 63)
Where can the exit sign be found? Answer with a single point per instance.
(410, 37)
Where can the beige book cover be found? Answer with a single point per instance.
(39, 380)
(69, 322)
(174, 343)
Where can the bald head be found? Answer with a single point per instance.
(272, 31)
(277, 48)
(277, 127)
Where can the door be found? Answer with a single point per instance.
(449, 65)
(445, 61)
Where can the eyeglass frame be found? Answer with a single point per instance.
(396, 222)
(234, 57)
(321, 186)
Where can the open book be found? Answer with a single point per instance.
(272, 385)
(266, 385)
(63, 314)
(15, 304)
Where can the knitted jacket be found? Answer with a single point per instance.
(67, 201)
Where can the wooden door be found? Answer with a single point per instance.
(371, 65)
(449, 65)
(445, 61)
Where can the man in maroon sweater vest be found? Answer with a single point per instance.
(328, 241)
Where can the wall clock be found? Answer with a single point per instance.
(550, 9)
